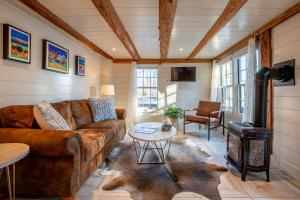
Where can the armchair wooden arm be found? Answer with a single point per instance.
(190, 109)
(216, 112)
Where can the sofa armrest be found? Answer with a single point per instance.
(121, 113)
(44, 142)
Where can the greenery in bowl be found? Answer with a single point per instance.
(174, 113)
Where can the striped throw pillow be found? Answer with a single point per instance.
(48, 118)
(103, 109)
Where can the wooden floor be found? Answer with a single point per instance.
(281, 186)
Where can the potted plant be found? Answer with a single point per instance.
(174, 114)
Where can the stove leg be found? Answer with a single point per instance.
(244, 173)
(268, 175)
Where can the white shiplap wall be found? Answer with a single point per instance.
(183, 94)
(120, 75)
(28, 83)
(286, 146)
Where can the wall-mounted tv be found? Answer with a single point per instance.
(187, 74)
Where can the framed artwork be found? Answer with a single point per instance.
(16, 44)
(79, 66)
(55, 57)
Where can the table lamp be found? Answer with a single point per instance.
(107, 90)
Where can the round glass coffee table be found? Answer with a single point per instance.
(149, 136)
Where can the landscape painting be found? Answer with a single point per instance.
(16, 44)
(80, 66)
(55, 57)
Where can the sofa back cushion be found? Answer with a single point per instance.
(17, 116)
(64, 109)
(81, 112)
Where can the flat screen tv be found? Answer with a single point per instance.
(187, 74)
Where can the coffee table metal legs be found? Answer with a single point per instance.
(162, 151)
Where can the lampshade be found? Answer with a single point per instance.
(107, 90)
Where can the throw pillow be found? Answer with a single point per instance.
(48, 118)
(103, 109)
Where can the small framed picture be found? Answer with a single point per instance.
(80, 66)
(16, 44)
(55, 57)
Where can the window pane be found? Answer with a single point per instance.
(242, 62)
(242, 106)
(153, 72)
(147, 87)
(153, 82)
(139, 92)
(154, 93)
(147, 72)
(139, 82)
(140, 102)
(146, 82)
(154, 102)
(146, 102)
(242, 92)
(139, 72)
(242, 77)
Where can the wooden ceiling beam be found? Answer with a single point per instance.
(230, 10)
(121, 60)
(54, 19)
(110, 15)
(271, 24)
(159, 61)
(167, 10)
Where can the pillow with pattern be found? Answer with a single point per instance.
(103, 109)
(48, 118)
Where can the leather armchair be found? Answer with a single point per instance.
(207, 113)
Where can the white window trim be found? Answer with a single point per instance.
(233, 57)
(145, 109)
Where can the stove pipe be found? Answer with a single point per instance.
(261, 97)
(283, 74)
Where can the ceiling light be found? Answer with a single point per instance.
(114, 49)
(180, 49)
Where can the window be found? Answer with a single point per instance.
(232, 82)
(227, 85)
(147, 87)
(242, 67)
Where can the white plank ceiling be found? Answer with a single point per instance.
(254, 14)
(85, 18)
(192, 21)
(141, 20)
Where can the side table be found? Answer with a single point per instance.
(10, 153)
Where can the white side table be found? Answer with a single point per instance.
(10, 153)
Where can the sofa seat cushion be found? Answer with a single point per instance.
(93, 142)
(200, 119)
(110, 128)
(107, 124)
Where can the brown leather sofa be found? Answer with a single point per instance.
(59, 161)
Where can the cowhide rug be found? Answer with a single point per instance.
(152, 182)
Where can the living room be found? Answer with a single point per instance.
(149, 99)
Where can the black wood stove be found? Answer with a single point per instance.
(248, 144)
(248, 148)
